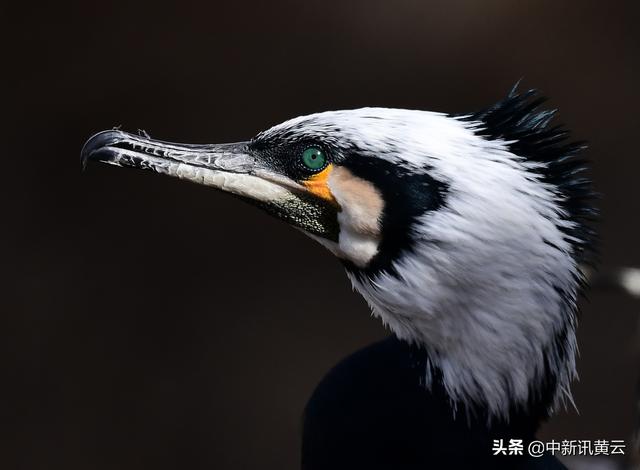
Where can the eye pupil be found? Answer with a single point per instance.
(314, 159)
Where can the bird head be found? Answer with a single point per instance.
(463, 233)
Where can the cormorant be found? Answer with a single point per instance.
(465, 235)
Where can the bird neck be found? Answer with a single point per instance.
(372, 410)
(497, 350)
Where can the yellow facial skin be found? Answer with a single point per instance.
(359, 207)
(317, 185)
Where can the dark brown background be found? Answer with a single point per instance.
(150, 323)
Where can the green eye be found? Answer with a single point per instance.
(314, 158)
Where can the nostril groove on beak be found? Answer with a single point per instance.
(140, 147)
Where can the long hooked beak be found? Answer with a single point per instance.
(232, 168)
(229, 167)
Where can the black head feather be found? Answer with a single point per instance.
(519, 121)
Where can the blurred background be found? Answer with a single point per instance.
(150, 323)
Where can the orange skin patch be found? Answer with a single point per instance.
(317, 185)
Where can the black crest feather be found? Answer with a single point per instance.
(527, 129)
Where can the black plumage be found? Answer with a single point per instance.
(372, 411)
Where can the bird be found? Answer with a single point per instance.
(464, 233)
